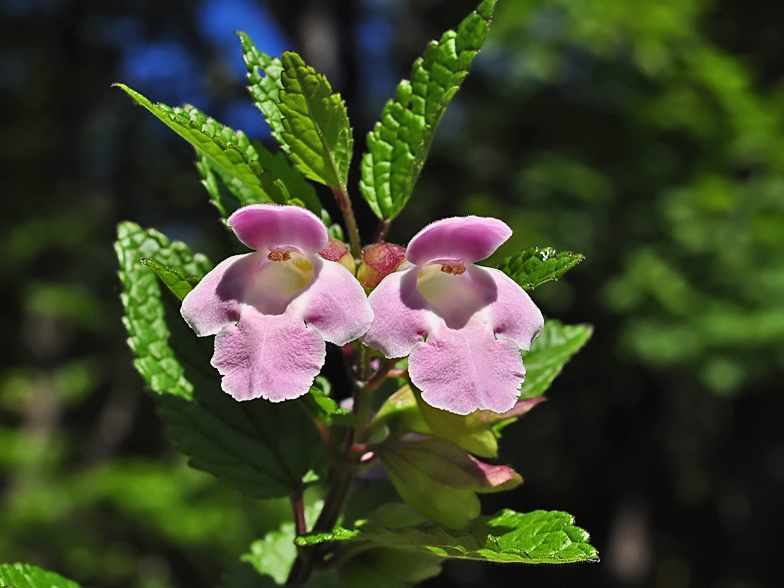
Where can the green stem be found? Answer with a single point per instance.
(351, 223)
(343, 477)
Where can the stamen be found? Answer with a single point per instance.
(279, 256)
(454, 270)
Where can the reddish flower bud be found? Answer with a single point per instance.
(338, 251)
(378, 261)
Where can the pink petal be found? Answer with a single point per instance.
(467, 239)
(272, 357)
(513, 315)
(265, 226)
(250, 279)
(401, 315)
(334, 303)
(467, 369)
(216, 300)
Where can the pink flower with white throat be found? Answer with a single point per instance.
(463, 325)
(272, 310)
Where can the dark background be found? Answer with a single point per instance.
(646, 135)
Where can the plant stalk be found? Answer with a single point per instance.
(351, 223)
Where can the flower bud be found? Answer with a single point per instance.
(338, 251)
(439, 480)
(378, 261)
(473, 432)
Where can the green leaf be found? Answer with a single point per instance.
(144, 314)
(316, 126)
(176, 280)
(399, 143)
(274, 554)
(321, 406)
(228, 151)
(266, 450)
(264, 84)
(508, 537)
(283, 180)
(550, 351)
(471, 432)
(21, 575)
(533, 267)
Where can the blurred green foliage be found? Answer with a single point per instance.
(646, 135)
(671, 169)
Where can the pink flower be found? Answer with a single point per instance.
(272, 310)
(463, 325)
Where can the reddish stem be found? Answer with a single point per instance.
(375, 381)
(298, 508)
(351, 223)
(381, 232)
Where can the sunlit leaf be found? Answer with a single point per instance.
(315, 123)
(508, 537)
(176, 280)
(21, 575)
(535, 266)
(322, 407)
(400, 141)
(264, 84)
(550, 351)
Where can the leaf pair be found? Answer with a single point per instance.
(312, 124)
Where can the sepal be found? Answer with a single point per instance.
(439, 480)
(378, 261)
(338, 251)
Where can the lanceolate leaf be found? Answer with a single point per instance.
(176, 280)
(315, 122)
(264, 83)
(226, 149)
(399, 143)
(508, 537)
(248, 172)
(266, 450)
(21, 575)
(550, 351)
(144, 313)
(534, 266)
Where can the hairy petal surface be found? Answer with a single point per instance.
(266, 226)
(402, 316)
(513, 315)
(217, 299)
(272, 357)
(323, 303)
(462, 370)
(466, 238)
